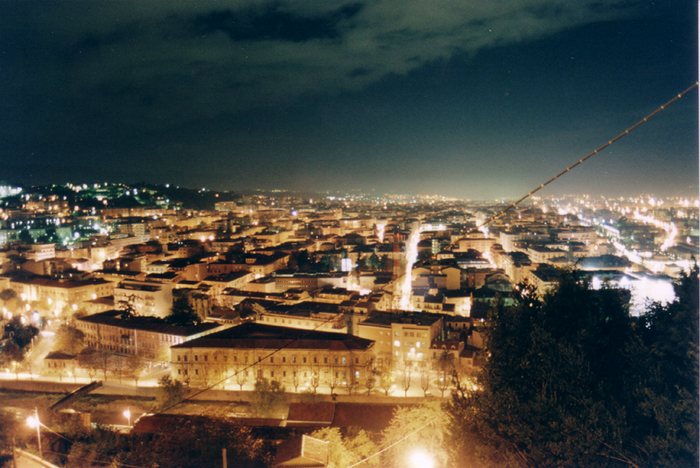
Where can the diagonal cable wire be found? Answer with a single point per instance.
(566, 170)
(393, 444)
(591, 154)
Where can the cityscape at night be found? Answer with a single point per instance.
(349, 234)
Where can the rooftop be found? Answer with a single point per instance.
(60, 283)
(251, 335)
(152, 324)
(414, 318)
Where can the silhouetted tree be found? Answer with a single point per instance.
(574, 379)
(183, 314)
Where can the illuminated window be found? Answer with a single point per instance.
(397, 343)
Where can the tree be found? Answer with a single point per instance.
(96, 360)
(188, 441)
(350, 383)
(12, 353)
(424, 426)
(373, 262)
(296, 378)
(387, 263)
(102, 361)
(445, 368)
(345, 451)
(135, 366)
(7, 294)
(406, 378)
(169, 391)
(241, 378)
(386, 379)
(425, 381)
(371, 380)
(17, 338)
(573, 379)
(9, 299)
(183, 314)
(9, 428)
(69, 339)
(315, 380)
(333, 379)
(666, 414)
(25, 237)
(268, 400)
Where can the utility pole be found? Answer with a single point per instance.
(224, 461)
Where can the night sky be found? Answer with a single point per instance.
(476, 98)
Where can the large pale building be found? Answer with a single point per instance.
(147, 337)
(145, 297)
(402, 338)
(299, 359)
(59, 295)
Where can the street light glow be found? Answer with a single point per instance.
(127, 415)
(33, 422)
(420, 458)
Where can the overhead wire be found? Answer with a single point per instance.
(529, 194)
(591, 154)
(391, 445)
(566, 170)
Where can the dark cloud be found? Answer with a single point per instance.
(287, 87)
(269, 23)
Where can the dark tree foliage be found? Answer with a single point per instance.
(20, 335)
(7, 295)
(186, 444)
(9, 427)
(183, 314)
(575, 380)
(170, 392)
(25, 237)
(667, 415)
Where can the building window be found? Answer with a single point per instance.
(303, 359)
(325, 360)
(343, 360)
(272, 359)
(196, 358)
(284, 359)
(315, 360)
(357, 360)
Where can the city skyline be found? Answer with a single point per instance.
(472, 102)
